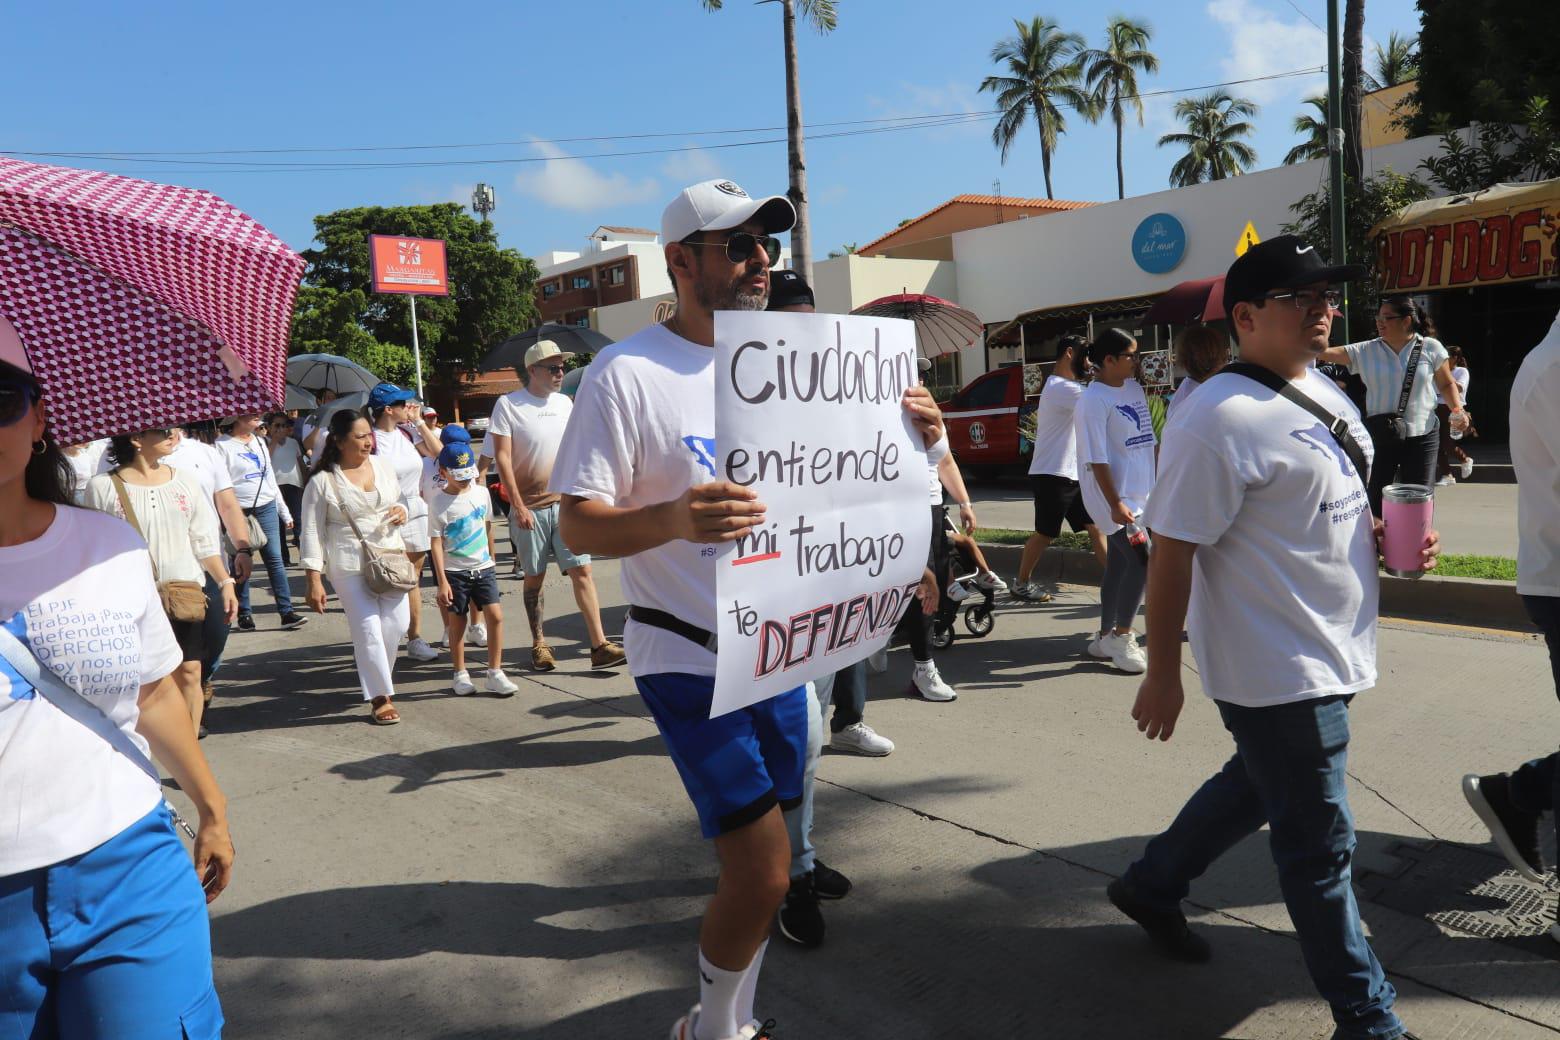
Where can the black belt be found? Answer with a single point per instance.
(661, 619)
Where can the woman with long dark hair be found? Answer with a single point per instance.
(103, 925)
(350, 484)
(1406, 438)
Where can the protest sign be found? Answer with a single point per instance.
(808, 414)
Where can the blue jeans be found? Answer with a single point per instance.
(1287, 772)
(799, 820)
(216, 631)
(271, 554)
(1535, 787)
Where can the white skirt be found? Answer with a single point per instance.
(415, 534)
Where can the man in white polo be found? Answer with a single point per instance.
(526, 428)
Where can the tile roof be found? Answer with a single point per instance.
(1005, 201)
(628, 230)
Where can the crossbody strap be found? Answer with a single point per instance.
(1410, 373)
(341, 504)
(124, 504)
(58, 693)
(1336, 425)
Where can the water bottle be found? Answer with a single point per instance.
(1137, 537)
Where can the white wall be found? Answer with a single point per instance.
(1083, 256)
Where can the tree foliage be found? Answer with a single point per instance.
(1212, 138)
(1110, 75)
(1314, 129)
(1498, 152)
(1481, 60)
(1366, 205)
(1043, 76)
(1397, 62)
(492, 292)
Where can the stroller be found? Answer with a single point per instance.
(959, 592)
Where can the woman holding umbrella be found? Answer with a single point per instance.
(103, 925)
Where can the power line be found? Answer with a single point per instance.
(178, 160)
(1302, 14)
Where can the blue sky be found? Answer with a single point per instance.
(166, 76)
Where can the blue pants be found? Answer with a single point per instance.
(113, 944)
(215, 633)
(849, 683)
(1535, 787)
(1287, 772)
(271, 554)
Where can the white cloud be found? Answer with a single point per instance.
(952, 98)
(1263, 43)
(691, 167)
(572, 184)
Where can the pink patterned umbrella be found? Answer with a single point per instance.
(141, 304)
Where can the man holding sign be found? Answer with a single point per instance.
(638, 473)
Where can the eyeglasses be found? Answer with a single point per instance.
(158, 434)
(1388, 316)
(740, 246)
(556, 370)
(1308, 299)
(15, 401)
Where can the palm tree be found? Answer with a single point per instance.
(824, 17)
(1315, 130)
(1395, 63)
(1043, 77)
(1353, 88)
(1214, 149)
(1111, 77)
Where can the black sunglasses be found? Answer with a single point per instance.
(15, 401)
(740, 246)
(556, 370)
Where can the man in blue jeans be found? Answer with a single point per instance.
(1512, 804)
(1265, 504)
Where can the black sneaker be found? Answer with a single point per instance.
(1515, 832)
(1167, 928)
(293, 620)
(800, 919)
(246, 622)
(829, 883)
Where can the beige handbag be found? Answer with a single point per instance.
(384, 570)
(181, 600)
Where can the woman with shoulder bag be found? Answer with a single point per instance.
(254, 482)
(1402, 368)
(351, 517)
(103, 923)
(169, 510)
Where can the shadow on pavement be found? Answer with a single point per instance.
(493, 757)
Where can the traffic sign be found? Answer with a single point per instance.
(1248, 238)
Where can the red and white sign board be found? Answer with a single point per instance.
(410, 266)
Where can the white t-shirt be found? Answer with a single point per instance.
(643, 432)
(462, 521)
(1535, 455)
(1056, 442)
(254, 477)
(1114, 427)
(175, 518)
(86, 464)
(1284, 585)
(534, 427)
(404, 458)
(205, 462)
(1460, 377)
(1177, 399)
(287, 457)
(81, 598)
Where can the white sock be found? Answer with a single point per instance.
(749, 987)
(922, 667)
(717, 1001)
(463, 674)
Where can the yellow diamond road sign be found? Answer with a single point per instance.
(1248, 238)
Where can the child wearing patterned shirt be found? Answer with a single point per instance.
(462, 547)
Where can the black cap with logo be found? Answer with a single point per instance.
(787, 289)
(1285, 262)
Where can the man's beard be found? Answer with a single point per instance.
(729, 297)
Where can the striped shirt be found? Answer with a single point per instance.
(1382, 369)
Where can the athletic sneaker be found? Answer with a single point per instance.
(801, 921)
(499, 684)
(1097, 647)
(859, 738)
(419, 650)
(1125, 653)
(929, 685)
(1167, 928)
(542, 659)
(1446, 481)
(1515, 832)
(607, 655)
(246, 622)
(292, 621)
(462, 686)
(989, 580)
(682, 1029)
(829, 883)
(476, 634)
(958, 591)
(1465, 468)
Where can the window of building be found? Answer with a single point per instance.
(549, 290)
(583, 321)
(582, 281)
(614, 276)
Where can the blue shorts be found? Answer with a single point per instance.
(468, 587)
(113, 944)
(543, 542)
(735, 767)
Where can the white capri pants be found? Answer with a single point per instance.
(377, 624)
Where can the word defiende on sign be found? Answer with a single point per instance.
(782, 645)
(834, 375)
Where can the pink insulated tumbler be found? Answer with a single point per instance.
(1406, 510)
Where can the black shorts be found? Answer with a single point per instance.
(468, 587)
(191, 637)
(1057, 499)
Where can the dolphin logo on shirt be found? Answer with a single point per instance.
(703, 449)
(1317, 438)
(1131, 412)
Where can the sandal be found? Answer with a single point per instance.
(384, 712)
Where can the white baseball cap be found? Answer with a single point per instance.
(11, 350)
(719, 206)
(543, 349)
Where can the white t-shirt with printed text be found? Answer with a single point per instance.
(81, 597)
(1284, 585)
(1114, 427)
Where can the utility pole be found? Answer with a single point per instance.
(484, 201)
(1335, 143)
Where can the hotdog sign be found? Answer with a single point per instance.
(1509, 233)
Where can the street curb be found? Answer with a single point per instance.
(1479, 602)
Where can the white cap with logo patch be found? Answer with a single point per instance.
(719, 206)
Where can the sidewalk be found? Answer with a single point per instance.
(531, 868)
